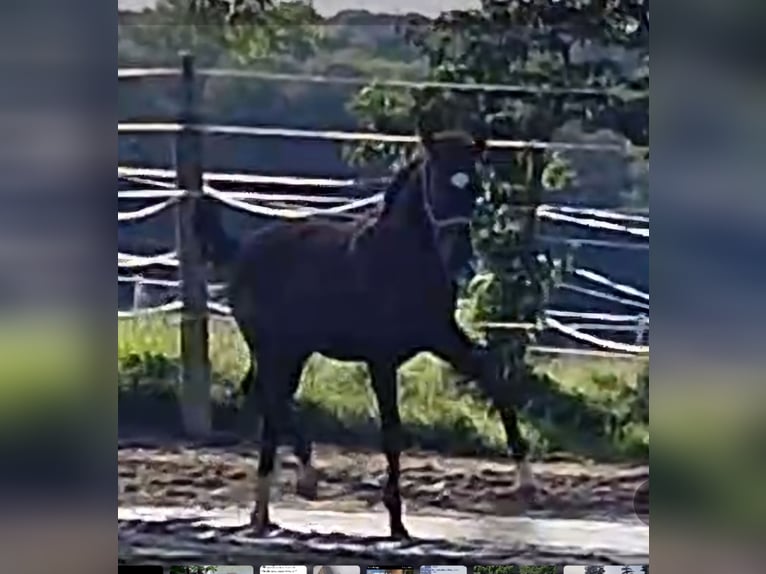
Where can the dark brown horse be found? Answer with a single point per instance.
(380, 290)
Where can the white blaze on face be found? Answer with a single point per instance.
(460, 179)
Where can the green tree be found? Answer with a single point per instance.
(538, 569)
(228, 31)
(594, 570)
(537, 44)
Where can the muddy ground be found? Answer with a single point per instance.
(351, 480)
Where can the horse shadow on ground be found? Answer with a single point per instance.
(573, 427)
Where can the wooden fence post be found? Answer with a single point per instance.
(195, 362)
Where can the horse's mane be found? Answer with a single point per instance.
(400, 179)
(398, 182)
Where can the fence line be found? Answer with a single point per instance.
(346, 204)
(598, 341)
(173, 283)
(136, 172)
(605, 296)
(292, 213)
(584, 353)
(585, 316)
(592, 316)
(240, 195)
(345, 136)
(592, 223)
(603, 213)
(144, 176)
(624, 350)
(602, 280)
(146, 212)
(577, 242)
(130, 73)
(169, 259)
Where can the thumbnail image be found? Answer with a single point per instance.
(443, 570)
(283, 569)
(516, 569)
(336, 570)
(635, 569)
(391, 570)
(210, 570)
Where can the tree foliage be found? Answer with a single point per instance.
(565, 45)
(248, 30)
(594, 570)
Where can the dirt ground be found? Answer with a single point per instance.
(351, 480)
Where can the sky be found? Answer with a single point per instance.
(330, 7)
(607, 569)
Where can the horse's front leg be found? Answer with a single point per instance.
(478, 363)
(384, 383)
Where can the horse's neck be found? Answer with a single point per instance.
(406, 213)
(402, 221)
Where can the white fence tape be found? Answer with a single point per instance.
(143, 175)
(146, 212)
(132, 73)
(291, 213)
(637, 328)
(240, 195)
(597, 341)
(602, 213)
(590, 316)
(171, 283)
(578, 242)
(343, 136)
(601, 280)
(605, 296)
(628, 351)
(167, 308)
(536, 349)
(592, 223)
(139, 172)
(150, 193)
(169, 259)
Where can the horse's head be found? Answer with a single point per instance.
(450, 188)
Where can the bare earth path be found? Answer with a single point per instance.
(195, 501)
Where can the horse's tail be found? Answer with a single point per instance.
(219, 247)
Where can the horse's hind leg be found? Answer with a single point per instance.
(476, 362)
(273, 380)
(384, 384)
(250, 412)
(307, 481)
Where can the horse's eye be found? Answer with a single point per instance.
(460, 179)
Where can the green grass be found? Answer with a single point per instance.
(431, 407)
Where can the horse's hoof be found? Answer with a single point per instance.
(307, 488)
(263, 529)
(261, 525)
(400, 533)
(530, 492)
